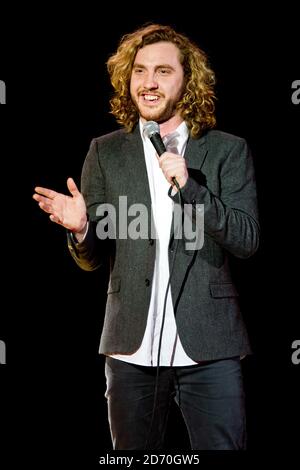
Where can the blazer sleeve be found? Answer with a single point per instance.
(91, 253)
(231, 216)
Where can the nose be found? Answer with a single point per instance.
(150, 82)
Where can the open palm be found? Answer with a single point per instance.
(68, 211)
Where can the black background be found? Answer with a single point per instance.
(53, 62)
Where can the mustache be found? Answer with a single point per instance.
(150, 90)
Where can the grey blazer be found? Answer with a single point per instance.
(205, 300)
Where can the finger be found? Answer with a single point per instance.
(45, 204)
(46, 192)
(46, 207)
(162, 157)
(39, 198)
(55, 219)
(72, 187)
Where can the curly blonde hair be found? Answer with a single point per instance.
(196, 106)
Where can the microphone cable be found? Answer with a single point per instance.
(163, 321)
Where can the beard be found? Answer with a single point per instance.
(160, 114)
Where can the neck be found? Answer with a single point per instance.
(169, 126)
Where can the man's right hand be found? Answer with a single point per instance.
(68, 211)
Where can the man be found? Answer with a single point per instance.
(190, 327)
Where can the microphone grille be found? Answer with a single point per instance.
(150, 128)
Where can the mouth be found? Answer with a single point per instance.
(150, 98)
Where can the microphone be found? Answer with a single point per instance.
(151, 130)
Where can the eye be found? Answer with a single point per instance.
(138, 70)
(164, 71)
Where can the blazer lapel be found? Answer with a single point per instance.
(138, 186)
(195, 155)
(138, 190)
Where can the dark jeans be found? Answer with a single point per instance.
(210, 396)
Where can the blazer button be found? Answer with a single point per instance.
(147, 282)
(151, 241)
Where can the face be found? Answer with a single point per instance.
(157, 81)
